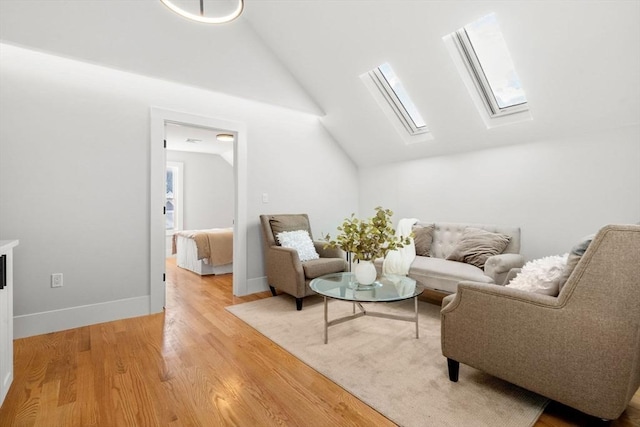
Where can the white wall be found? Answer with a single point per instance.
(74, 181)
(556, 190)
(208, 190)
(146, 38)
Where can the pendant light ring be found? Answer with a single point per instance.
(204, 19)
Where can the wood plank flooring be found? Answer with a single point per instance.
(194, 365)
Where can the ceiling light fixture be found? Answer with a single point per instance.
(225, 137)
(192, 140)
(206, 19)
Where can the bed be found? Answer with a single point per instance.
(204, 251)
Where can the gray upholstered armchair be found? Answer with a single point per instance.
(285, 271)
(581, 348)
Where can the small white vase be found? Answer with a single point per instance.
(365, 272)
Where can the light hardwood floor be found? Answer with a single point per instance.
(194, 365)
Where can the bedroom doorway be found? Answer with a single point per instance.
(191, 139)
(199, 187)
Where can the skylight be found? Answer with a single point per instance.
(396, 95)
(485, 54)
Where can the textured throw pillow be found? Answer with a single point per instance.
(301, 242)
(423, 236)
(574, 257)
(476, 245)
(541, 275)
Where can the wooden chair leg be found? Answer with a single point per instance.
(298, 304)
(454, 369)
(273, 291)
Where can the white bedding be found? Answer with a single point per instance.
(187, 258)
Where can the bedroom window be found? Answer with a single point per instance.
(485, 54)
(398, 99)
(173, 197)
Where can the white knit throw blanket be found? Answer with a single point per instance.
(399, 261)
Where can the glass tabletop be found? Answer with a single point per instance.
(385, 289)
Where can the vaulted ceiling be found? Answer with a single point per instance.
(579, 62)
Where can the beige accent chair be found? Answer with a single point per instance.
(581, 348)
(285, 271)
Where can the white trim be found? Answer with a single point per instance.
(474, 68)
(178, 191)
(396, 104)
(461, 64)
(157, 238)
(370, 81)
(259, 284)
(74, 317)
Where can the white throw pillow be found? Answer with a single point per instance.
(541, 275)
(300, 241)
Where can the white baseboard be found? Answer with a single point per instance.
(59, 320)
(259, 284)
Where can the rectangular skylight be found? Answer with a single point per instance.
(396, 95)
(486, 55)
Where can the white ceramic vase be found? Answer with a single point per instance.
(365, 272)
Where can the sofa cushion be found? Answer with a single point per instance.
(476, 245)
(423, 236)
(440, 274)
(447, 235)
(442, 267)
(574, 257)
(300, 241)
(319, 267)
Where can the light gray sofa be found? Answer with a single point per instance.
(438, 273)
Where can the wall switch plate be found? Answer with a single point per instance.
(56, 280)
(265, 197)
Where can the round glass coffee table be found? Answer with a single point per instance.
(343, 286)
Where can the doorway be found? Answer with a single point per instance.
(160, 118)
(199, 184)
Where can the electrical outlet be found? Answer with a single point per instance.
(56, 280)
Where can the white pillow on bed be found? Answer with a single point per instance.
(300, 241)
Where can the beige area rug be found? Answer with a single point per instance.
(382, 363)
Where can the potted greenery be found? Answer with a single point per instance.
(367, 240)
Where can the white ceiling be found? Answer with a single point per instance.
(195, 139)
(579, 62)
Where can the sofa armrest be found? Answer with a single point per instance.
(284, 270)
(475, 290)
(510, 275)
(497, 267)
(328, 252)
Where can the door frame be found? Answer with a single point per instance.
(157, 165)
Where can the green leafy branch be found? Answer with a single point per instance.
(368, 239)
